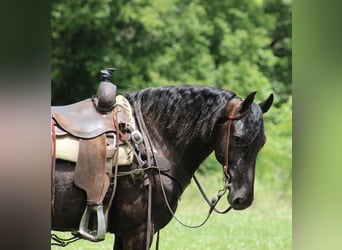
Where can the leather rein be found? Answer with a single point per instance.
(213, 202)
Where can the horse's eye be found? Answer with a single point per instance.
(236, 139)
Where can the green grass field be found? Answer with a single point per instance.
(267, 224)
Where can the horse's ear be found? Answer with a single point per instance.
(265, 105)
(247, 102)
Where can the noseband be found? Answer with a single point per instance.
(231, 118)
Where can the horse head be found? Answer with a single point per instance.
(239, 137)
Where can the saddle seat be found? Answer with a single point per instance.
(82, 120)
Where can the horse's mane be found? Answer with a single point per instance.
(183, 113)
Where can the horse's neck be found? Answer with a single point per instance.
(188, 148)
(179, 163)
(181, 120)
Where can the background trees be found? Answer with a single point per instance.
(240, 45)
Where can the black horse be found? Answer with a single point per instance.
(185, 124)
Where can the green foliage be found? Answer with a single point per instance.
(240, 45)
(237, 45)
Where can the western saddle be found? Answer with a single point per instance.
(90, 133)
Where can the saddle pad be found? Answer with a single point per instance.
(67, 149)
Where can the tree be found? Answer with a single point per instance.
(238, 45)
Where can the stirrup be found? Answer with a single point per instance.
(84, 231)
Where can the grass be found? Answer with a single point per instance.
(267, 224)
(238, 230)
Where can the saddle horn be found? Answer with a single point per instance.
(106, 92)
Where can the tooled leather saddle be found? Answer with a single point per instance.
(88, 135)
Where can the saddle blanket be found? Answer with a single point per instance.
(67, 149)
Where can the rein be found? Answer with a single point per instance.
(213, 202)
(218, 196)
(61, 242)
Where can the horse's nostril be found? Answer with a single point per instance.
(238, 201)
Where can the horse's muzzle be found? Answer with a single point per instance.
(240, 199)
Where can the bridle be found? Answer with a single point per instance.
(213, 202)
(230, 119)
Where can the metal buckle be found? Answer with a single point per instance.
(136, 137)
